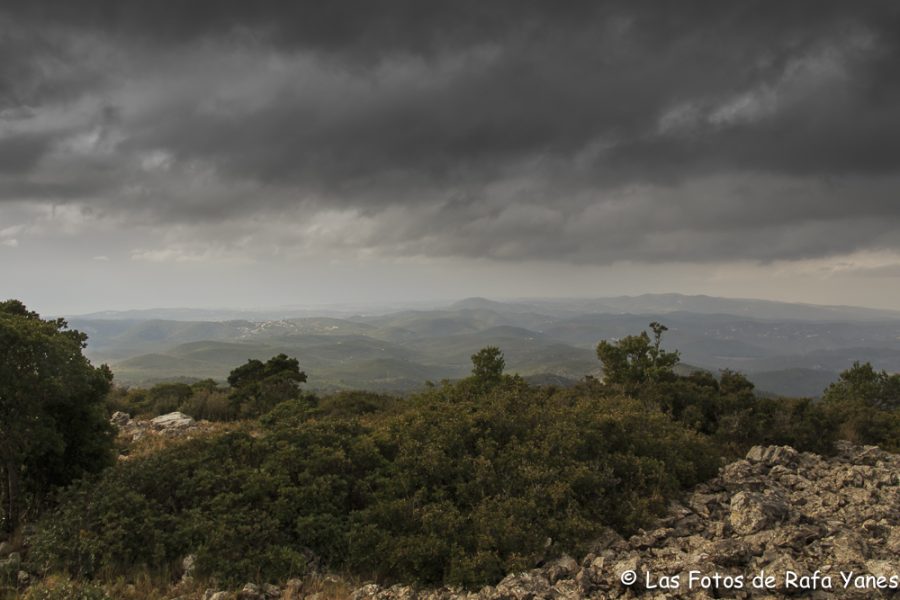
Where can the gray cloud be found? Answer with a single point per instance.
(583, 132)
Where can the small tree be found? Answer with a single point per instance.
(53, 425)
(488, 365)
(257, 387)
(865, 404)
(636, 359)
(863, 383)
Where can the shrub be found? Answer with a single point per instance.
(454, 487)
(865, 404)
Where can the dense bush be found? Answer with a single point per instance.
(348, 404)
(734, 417)
(453, 488)
(799, 422)
(725, 408)
(865, 405)
(481, 483)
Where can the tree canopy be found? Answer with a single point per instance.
(636, 359)
(488, 365)
(866, 405)
(53, 426)
(862, 382)
(257, 387)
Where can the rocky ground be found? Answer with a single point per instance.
(778, 523)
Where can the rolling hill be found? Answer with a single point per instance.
(796, 353)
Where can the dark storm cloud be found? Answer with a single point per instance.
(20, 153)
(580, 131)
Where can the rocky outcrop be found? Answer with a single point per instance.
(777, 523)
(173, 420)
(173, 424)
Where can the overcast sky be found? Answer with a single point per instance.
(237, 153)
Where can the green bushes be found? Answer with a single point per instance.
(726, 408)
(202, 400)
(459, 484)
(481, 483)
(451, 488)
(865, 405)
(255, 388)
(729, 412)
(799, 422)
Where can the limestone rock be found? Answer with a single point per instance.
(772, 455)
(523, 586)
(173, 420)
(752, 512)
(120, 419)
(561, 568)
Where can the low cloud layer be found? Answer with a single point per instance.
(583, 133)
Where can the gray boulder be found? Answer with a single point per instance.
(173, 420)
(120, 419)
(752, 512)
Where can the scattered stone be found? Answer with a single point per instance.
(120, 419)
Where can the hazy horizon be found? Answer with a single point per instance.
(791, 349)
(347, 308)
(271, 154)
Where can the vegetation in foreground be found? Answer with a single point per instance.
(458, 484)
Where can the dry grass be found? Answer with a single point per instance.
(154, 441)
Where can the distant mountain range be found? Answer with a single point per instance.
(791, 349)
